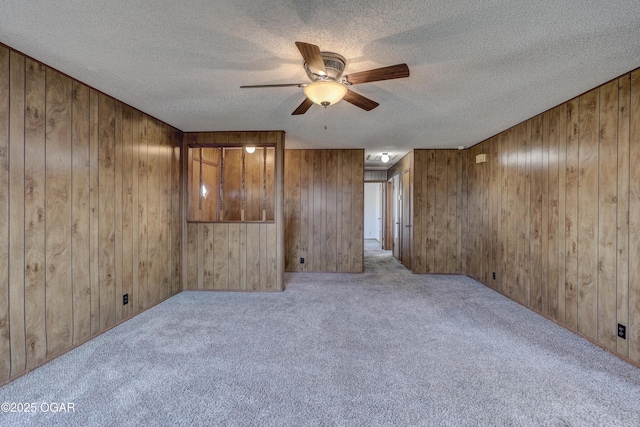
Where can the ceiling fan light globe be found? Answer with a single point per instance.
(325, 92)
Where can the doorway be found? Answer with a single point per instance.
(373, 209)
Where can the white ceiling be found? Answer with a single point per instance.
(477, 67)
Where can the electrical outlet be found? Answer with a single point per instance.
(125, 299)
(622, 331)
(494, 275)
(301, 260)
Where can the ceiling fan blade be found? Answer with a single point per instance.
(302, 108)
(312, 56)
(386, 73)
(277, 85)
(360, 101)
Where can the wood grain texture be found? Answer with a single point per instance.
(562, 211)
(234, 255)
(607, 325)
(80, 213)
(622, 241)
(155, 243)
(346, 189)
(357, 219)
(588, 215)
(5, 338)
(440, 237)
(553, 254)
(68, 203)
(292, 210)
(127, 206)
(94, 209)
(206, 231)
(34, 210)
(58, 214)
(16, 213)
(544, 212)
(330, 247)
(118, 196)
(106, 179)
(510, 236)
(571, 215)
(140, 297)
(522, 208)
(535, 211)
(430, 224)
(327, 228)
(221, 256)
(570, 177)
(634, 218)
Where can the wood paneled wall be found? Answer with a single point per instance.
(439, 206)
(239, 256)
(324, 210)
(555, 213)
(79, 173)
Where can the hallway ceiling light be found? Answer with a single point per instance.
(384, 158)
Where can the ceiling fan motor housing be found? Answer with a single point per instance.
(333, 62)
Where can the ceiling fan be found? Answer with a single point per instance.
(329, 86)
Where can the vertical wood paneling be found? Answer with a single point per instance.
(327, 228)
(622, 241)
(607, 216)
(574, 190)
(242, 261)
(234, 256)
(553, 255)
(221, 256)
(58, 214)
(34, 206)
(253, 263)
(319, 210)
(127, 207)
(492, 204)
(544, 228)
(440, 236)
(419, 211)
(69, 209)
(143, 213)
(155, 242)
(176, 203)
(634, 218)
(562, 210)
(207, 256)
(571, 215)
(535, 209)
(16, 215)
(305, 204)
(330, 236)
(521, 204)
(118, 196)
(94, 210)
(292, 209)
(80, 213)
(357, 206)
(588, 215)
(430, 250)
(106, 180)
(5, 344)
(192, 256)
(510, 236)
(346, 189)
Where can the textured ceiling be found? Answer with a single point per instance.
(477, 67)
